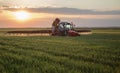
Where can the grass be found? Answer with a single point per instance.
(96, 53)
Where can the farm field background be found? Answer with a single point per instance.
(95, 53)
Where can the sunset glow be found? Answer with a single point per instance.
(21, 15)
(42, 13)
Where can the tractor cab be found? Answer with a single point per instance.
(65, 28)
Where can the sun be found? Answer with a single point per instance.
(22, 15)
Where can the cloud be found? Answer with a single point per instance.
(70, 11)
(1, 11)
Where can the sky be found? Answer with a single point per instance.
(83, 13)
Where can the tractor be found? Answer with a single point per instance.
(65, 29)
